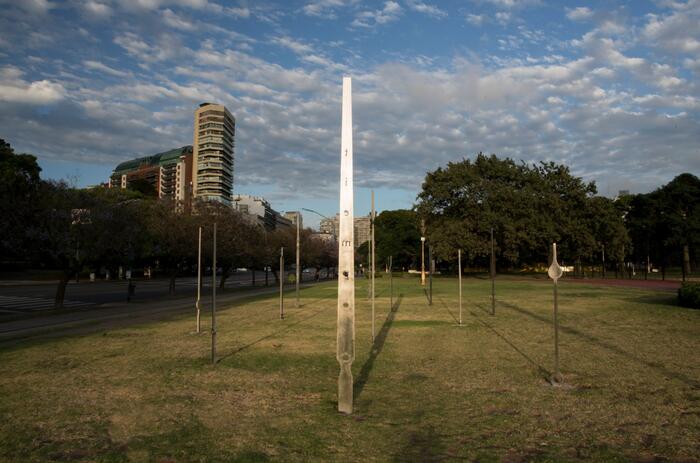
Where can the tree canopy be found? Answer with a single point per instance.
(528, 207)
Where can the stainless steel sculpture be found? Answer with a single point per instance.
(372, 265)
(431, 269)
(282, 278)
(199, 281)
(345, 352)
(391, 283)
(492, 272)
(555, 272)
(213, 301)
(298, 275)
(459, 279)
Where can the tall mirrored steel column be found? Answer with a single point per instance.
(346, 259)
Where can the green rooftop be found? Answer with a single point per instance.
(159, 159)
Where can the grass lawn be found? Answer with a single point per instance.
(427, 390)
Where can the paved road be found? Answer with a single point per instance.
(27, 297)
(116, 315)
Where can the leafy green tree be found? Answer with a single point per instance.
(397, 234)
(19, 189)
(173, 238)
(528, 207)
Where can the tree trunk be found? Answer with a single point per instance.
(253, 278)
(171, 288)
(61, 290)
(225, 273)
(276, 275)
(686, 260)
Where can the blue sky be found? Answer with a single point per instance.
(608, 88)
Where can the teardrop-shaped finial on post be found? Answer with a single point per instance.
(555, 271)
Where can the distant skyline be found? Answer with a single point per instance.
(611, 89)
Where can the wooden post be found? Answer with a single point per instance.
(345, 335)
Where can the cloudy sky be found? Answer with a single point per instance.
(609, 88)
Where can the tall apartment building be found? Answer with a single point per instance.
(331, 226)
(293, 216)
(169, 172)
(259, 211)
(214, 133)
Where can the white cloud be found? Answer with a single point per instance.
(475, 19)
(425, 8)
(14, 89)
(167, 47)
(98, 66)
(176, 21)
(324, 8)
(580, 13)
(294, 45)
(677, 31)
(97, 9)
(390, 12)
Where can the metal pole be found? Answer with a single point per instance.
(391, 281)
(298, 276)
(372, 268)
(555, 272)
(557, 374)
(213, 301)
(422, 260)
(493, 276)
(281, 283)
(430, 274)
(199, 280)
(459, 279)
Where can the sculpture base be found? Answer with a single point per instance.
(345, 389)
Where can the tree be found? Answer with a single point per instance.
(665, 224)
(236, 238)
(528, 207)
(19, 190)
(397, 234)
(173, 238)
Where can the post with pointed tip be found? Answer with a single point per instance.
(391, 282)
(282, 277)
(298, 275)
(492, 270)
(555, 272)
(372, 267)
(431, 269)
(459, 279)
(213, 301)
(199, 281)
(345, 339)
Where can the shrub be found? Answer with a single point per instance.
(689, 295)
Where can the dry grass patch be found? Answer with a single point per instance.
(426, 390)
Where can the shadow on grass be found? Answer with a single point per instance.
(425, 445)
(454, 317)
(659, 367)
(287, 327)
(542, 371)
(377, 347)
